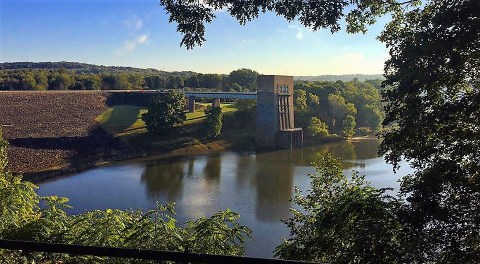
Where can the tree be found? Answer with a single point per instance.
(341, 220)
(41, 80)
(317, 127)
(348, 126)
(433, 98)
(246, 110)
(300, 100)
(22, 218)
(165, 112)
(61, 81)
(434, 101)
(342, 113)
(192, 82)
(175, 81)
(312, 14)
(213, 121)
(244, 77)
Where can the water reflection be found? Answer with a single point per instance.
(257, 186)
(163, 178)
(274, 185)
(213, 167)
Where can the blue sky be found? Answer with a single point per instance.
(137, 33)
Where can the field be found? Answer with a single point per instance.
(56, 132)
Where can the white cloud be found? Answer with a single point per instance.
(299, 35)
(142, 39)
(299, 31)
(131, 45)
(134, 23)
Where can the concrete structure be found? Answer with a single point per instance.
(275, 126)
(216, 102)
(191, 104)
(275, 114)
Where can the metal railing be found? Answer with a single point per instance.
(130, 253)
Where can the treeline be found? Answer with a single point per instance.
(42, 79)
(82, 68)
(342, 108)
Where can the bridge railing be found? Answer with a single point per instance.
(130, 253)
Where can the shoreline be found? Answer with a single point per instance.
(216, 146)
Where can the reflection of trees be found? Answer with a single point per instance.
(164, 178)
(344, 150)
(190, 170)
(213, 167)
(274, 182)
(245, 169)
(367, 149)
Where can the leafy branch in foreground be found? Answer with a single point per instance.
(192, 15)
(342, 220)
(21, 217)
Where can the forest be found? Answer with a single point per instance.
(43, 76)
(342, 108)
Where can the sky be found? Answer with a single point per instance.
(137, 33)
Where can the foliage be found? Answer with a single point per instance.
(245, 110)
(213, 122)
(331, 102)
(341, 220)
(434, 99)
(245, 78)
(348, 126)
(22, 218)
(311, 14)
(165, 112)
(317, 127)
(343, 114)
(300, 100)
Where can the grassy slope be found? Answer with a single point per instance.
(124, 122)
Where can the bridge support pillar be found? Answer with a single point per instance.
(216, 102)
(275, 115)
(191, 104)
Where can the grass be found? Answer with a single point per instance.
(125, 123)
(124, 120)
(121, 118)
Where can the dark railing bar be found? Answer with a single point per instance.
(144, 254)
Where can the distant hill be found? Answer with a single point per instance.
(345, 77)
(86, 68)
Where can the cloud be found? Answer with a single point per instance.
(299, 35)
(131, 45)
(298, 31)
(134, 23)
(142, 39)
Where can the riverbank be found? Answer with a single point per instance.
(53, 134)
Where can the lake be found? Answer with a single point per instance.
(257, 186)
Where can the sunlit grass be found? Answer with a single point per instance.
(122, 120)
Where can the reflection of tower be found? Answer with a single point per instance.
(274, 182)
(164, 178)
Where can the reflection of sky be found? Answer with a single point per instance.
(258, 187)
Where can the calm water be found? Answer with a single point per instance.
(257, 186)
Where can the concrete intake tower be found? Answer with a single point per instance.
(275, 126)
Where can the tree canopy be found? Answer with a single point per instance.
(433, 98)
(191, 16)
(165, 112)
